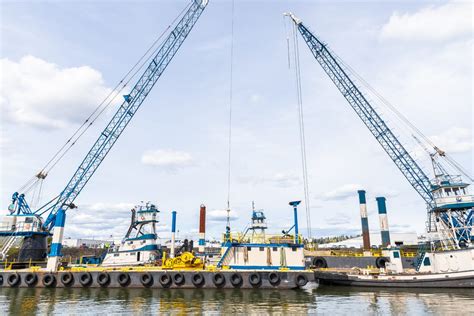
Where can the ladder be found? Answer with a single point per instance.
(7, 245)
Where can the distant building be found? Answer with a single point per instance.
(82, 242)
(397, 239)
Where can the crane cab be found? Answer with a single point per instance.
(452, 195)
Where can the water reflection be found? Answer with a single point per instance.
(334, 300)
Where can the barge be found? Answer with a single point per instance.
(251, 260)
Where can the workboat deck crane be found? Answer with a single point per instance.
(450, 207)
(32, 223)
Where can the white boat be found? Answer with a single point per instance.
(256, 250)
(139, 246)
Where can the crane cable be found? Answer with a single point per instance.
(404, 119)
(99, 110)
(231, 74)
(301, 128)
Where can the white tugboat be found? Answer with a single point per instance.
(139, 246)
(256, 250)
(445, 261)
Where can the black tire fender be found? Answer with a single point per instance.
(85, 279)
(165, 280)
(380, 262)
(103, 279)
(146, 279)
(274, 278)
(31, 279)
(319, 262)
(255, 279)
(236, 280)
(179, 279)
(198, 279)
(49, 280)
(301, 280)
(218, 279)
(123, 279)
(67, 279)
(14, 279)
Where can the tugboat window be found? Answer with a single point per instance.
(275, 249)
(396, 254)
(262, 249)
(456, 191)
(426, 262)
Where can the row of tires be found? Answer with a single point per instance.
(321, 262)
(104, 279)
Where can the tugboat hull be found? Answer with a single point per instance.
(434, 280)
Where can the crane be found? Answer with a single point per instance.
(56, 209)
(456, 227)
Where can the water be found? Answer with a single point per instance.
(325, 300)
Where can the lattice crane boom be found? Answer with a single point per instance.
(399, 155)
(117, 124)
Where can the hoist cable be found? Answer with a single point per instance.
(104, 104)
(301, 130)
(403, 118)
(231, 75)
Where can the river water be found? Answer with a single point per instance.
(324, 300)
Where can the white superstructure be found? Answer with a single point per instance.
(140, 245)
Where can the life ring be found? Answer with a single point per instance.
(67, 279)
(49, 280)
(179, 279)
(85, 279)
(274, 278)
(319, 263)
(142, 218)
(165, 280)
(301, 280)
(146, 279)
(103, 279)
(14, 279)
(380, 262)
(31, 279)
(255, 279)
(123, 279)
(236, 280)
(198, 280)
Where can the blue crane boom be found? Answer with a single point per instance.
(115, 127)
(400, 156)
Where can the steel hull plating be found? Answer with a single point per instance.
(434, 280)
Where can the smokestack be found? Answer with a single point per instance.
(202, 228)
(295, 216)
(383, 221)
(173, 233)
(363, 219)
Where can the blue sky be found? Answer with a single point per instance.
(59, 58)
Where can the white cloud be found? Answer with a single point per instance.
(38, 93)
(431, 23)
(102, 220)
(41, 94)
(167, 158)
(342, 192)
(221, 215)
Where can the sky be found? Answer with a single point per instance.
(60, 58)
